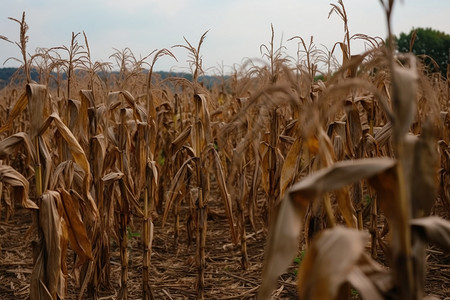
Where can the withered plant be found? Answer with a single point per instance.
(346, 167)
(402, 181)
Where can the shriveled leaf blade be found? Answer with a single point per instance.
(346, 207)
(50, 224)
(369, 278)
(175, 187)
(433, 230)
(201, 103)
(339, 175)
(290, 165)
(220, 177)
(404, 87)
(354, 128)
(20, 184)
(178, 142)
(422, 177)
(138, 112)
(38, 107)
(79, 157)
(282, 244)
(329, 261)
(77, 231)
(282, 240)
(18, 108)
(264, 153)
(11, 142)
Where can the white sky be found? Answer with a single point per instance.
(237, 27)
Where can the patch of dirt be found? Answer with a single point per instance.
(173, 271)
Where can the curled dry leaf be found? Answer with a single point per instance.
(281, 243)
(337, 176)
(38, 107)
(19, 183)
(47, 274)
(180, 140)
(404, 97)
(13, 141)
(291, 164)
(433, 230)
(76, 229)
(175, 187)
(17, 109)
(423, 179)
(369, 278)
(78, 156)
(284, 231)
(202, 107)
(139, 113)
(220, 177)
(332, 258)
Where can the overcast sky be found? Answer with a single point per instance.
(237, 28)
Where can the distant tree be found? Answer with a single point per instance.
(427, 42)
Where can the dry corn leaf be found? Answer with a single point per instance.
(46, 161)
(140, 156)
(152, 178)
(98, 152)
(220, 177)
(175, 186)
(126, 196)
(422, 176)
(18, 108)
(78, 156)
(404, 88)
(139, 113)
(197, 138)
(73, 107)
(264, 157)
(339, 175)
(282, 240)
(282, 243)
(369, 278)
(387, 188)
(345, 206)
(328, 263)
(62, 176)
(19, 183)
(354, 128)
(326, 150)
(291, 165)
(38, 107)
(38, 290)
(82, 132)
(389, 194)
(76, 229)
(383, 135)
(338, 132)
(10, 143)
(111, 177)
(181, 139)
(255, 184)
(202, 107)
(50, 224)
(338, 147)
(433, 230)
(132, 201)
(425, 231)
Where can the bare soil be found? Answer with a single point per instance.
(174, 270)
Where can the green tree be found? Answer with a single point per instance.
(427, 42)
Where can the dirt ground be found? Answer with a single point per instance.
(173, 271)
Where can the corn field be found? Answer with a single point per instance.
(269, 183)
